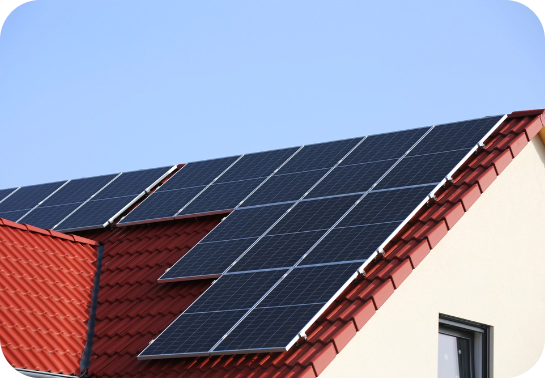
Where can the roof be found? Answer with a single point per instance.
(133, 307)
(46, 281)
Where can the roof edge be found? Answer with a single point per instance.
(51, 233)
(42, 374)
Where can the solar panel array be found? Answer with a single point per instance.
(292, 245)
(78, 204)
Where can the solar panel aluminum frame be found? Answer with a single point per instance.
(160, 280)
(9, 195)
(361, 270)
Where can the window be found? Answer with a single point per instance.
(464, 348)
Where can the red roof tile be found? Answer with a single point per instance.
(46, 281)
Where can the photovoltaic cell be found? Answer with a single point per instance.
(284, 188)
(193, 334)
(27, 197)
(93, 214)
(161, 205)
(223, 196)
(350, 243)
(199, 173)
(277, 251)
(13, 215)
(319, 156)
(112, 199)
(422, 169)
(255, 165)
(384, 146)
(6, 192)
(66, 200)
(268, 329)
(236, 291)
(130, 184)
(386, 206)
(181, 188)
(208, 259)
(309, 285)
(318, 214)
(455, 136)
(246, 223)
(351, 179)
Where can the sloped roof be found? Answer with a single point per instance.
(134, 308)
(46, 280)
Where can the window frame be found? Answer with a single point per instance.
(480, 345)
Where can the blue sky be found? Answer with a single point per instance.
(94, 87)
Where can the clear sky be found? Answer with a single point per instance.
(90, 87)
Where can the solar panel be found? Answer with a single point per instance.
(318, 214)
(192, 334)
(113, 199)
(181, 188)
(455, 136)
(277, 251)
(5, 193)
(384, 146)
(26, 198)
(245, 223)
(287, 309)
(260, 164)
(236, 291)
(319, 156)
(351, 179)
(422, 169)
(285, 188)
(221, 197)
(207, 260)
(267, 329)
(356, 243)
(65, 200)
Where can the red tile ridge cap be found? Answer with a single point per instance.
(526, 113)
(48, 232)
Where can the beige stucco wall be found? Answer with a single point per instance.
(490, 268)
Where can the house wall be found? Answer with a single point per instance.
(490, 268)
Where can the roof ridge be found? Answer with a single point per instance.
(52, 233)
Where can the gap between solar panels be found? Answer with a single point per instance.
(242, 322)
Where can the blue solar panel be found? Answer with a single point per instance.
(356, 243)
(113, 198)
(25, 199)
(318, 214)
(268, 329)
(260, 164)
(236, 291)
(384, 146)
(199, 173)
(319, 156)
(207, 260)
(65, 200)
(351, 179)
(6, 192)
(221, 197)
(245, 223)
(277, 251)
(192, 334)
(422, 169)
(285, 188)
(455, 136)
